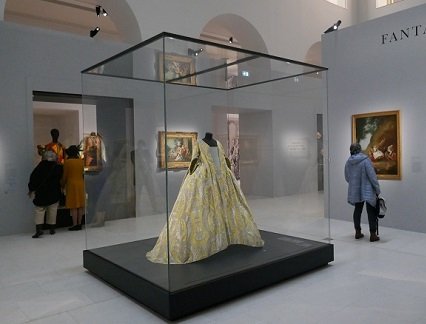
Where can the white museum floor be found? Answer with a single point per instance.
(43, 281)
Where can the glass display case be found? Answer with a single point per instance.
(205, 171)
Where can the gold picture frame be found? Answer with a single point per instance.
(379, 136)
(176, 149)
(175, 67)
(92, 148)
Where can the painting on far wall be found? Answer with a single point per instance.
(176, 68)
(378, 133)
(176, 149)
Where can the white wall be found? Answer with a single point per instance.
(33, 60)
(368, 76)
(288, 27)
(281, 22)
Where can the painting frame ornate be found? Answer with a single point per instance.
(170, 68)
(379, 136)
(176, 149)
(91, 152)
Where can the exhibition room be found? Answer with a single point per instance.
(213, 161)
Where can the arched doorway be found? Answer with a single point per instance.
(313, 55)
(221, 28)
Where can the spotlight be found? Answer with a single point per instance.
(231, 40)
(93, 32)
(192, 52)
(101, 11)
(334, 27)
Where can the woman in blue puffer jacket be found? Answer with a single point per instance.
(363, 187)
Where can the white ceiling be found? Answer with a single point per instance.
(42, 108)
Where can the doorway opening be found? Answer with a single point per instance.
(111, 120)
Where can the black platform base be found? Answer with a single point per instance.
(175, 291)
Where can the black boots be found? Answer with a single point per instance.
(75, 228)
(358, 234)
(39, 231)
(374, 237)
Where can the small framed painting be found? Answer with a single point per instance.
(176, 69)
(176, 149)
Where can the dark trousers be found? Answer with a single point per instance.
(372, 216)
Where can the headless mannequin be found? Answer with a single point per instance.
(209, 139)
(55, 135)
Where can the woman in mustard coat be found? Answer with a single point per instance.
(73, 183)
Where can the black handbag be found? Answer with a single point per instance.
(381, 207)
(381, 210)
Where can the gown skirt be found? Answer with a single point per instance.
(210, 212)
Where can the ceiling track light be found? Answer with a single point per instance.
(101, 11)
(334, 27)
(192, 52)
(231, 40)
(94, 31)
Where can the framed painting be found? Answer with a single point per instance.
(176, 68)
(378, 134)
(176, 149)
(92, 148)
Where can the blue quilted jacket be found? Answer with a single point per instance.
(362, 180)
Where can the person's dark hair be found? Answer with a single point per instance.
(73, 151)
(355, 148)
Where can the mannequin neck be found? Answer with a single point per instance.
(209, 139)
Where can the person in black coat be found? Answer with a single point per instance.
(45, 189)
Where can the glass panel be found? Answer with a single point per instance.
(127, 193)
(153, 104)
(277, 159)
(199, 63)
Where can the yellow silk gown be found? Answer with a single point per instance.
(210, 212)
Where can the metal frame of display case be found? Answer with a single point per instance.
(230, 273)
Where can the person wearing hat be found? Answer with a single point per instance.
(45, 189)
(363, 187)
(73, 183)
